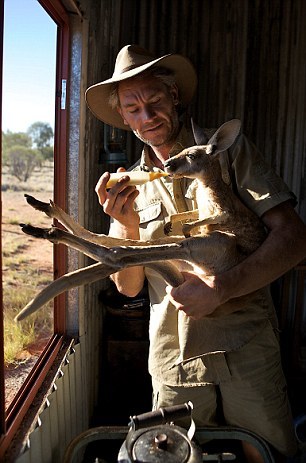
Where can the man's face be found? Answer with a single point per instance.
(147, 105)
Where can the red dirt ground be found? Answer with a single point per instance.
(16, 210)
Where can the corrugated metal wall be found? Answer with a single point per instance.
(64, 413)
(250, 60)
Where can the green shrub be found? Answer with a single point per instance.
(22, 161)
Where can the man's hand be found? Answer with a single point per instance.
(284, 247)
(118, 201)
(198, 296)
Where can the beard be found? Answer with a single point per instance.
(168, 137)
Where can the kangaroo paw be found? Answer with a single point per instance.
(36, 231)
(38, 205)
(167, 228)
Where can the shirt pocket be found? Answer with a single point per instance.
(152, 221)
(150, 212)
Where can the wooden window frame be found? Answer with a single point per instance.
(11, 419)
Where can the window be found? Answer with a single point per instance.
(33, 161)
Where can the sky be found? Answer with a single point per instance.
(29, 57)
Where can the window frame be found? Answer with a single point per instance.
(11, 418)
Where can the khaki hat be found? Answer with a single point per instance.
(131, 61)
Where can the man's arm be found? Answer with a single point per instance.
(117, 202)
(128, 281)
(284, 247)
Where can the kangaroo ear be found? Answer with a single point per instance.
(225, 136)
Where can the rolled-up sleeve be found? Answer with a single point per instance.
(258, 186)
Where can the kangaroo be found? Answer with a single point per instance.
(226, 231)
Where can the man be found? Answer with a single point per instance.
(240, 371)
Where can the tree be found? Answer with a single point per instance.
(22, 161)
(47, 153)
(41, 134)
(11, 139)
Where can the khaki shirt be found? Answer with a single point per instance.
(180, 346)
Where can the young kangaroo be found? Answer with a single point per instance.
(218, 207)
(229, 231)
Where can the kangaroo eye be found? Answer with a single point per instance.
(191, 156)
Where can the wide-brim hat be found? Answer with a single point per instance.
(131, 61)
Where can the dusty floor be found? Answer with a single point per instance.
(39, 253)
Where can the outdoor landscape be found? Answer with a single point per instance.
(27, 262)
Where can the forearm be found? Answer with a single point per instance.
(284, 247)
(130, 280)
(117, 202)
(281, 251)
